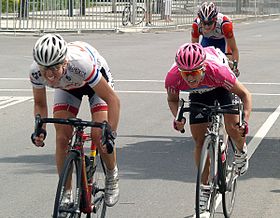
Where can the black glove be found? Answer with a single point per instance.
(109, 137)
(235, 68)
(37, 134)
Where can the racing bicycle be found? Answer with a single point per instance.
(86, 175)
(219, 147)
(127, 14)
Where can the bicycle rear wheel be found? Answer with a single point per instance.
(98, 188)
(71, 172)
(140, 15)
(207, 152)
(229, 170)
(126, 15)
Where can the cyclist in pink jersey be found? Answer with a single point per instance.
(75, 69)
(204, 72)
(215, 29)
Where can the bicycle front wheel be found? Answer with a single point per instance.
(67, 200)
(229, 171)
(206, 192)
(98, 188)
(126, 15)
(140, 15)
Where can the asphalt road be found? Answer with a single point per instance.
(157, 173)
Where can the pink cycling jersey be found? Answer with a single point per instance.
(217, 74)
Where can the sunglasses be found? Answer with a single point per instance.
(52, 68)
(191, 73)
(209, 23)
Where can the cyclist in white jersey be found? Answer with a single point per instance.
(75, 69)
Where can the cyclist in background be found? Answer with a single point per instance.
(75, 69)
(205, 73)
(216, 30)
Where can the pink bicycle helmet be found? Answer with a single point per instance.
(207, 12)
(190, 56)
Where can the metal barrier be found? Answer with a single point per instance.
(79, 15)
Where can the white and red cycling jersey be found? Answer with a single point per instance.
(217, 74)
(83, 67)
(223, 28)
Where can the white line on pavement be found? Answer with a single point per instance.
(6, 101)
(256, 140)
(136, 80)
(258, 137)
(129, 91)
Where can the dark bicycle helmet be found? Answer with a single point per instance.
(207, 12)
(50, 50)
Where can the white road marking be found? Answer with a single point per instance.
(258, 137)
(130, 91)
(256, 140)
(134, 80)
(6, 101)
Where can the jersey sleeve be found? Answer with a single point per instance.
(35, 77)
(94, 75)
(171, 80)
(195, 29)
(85, 64)
(225, 77)
(227, 27)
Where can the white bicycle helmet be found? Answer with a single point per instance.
(207, 12)
(50, 50)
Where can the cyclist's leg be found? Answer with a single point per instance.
(65, 105)
(198, 132)
(198, 126)
(231, 120)
(99, 114)
(231, 124)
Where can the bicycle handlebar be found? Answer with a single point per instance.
(209, 110)
(76, 122)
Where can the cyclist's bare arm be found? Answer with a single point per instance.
(40, 102)
(104, 91)
(243, 93)
(231, 43)
(173, 100)
(40, 107)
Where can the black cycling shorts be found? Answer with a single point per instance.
(220, 94)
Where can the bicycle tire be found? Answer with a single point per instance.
(228, 196)
(207, 151)
(98, 191)
(140, 15)
(126, 14)
(72, 167)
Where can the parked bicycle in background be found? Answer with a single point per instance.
(133, 14)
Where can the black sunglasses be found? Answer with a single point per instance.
(209, 23)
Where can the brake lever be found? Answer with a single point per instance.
(38, 124)
(179, 115)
